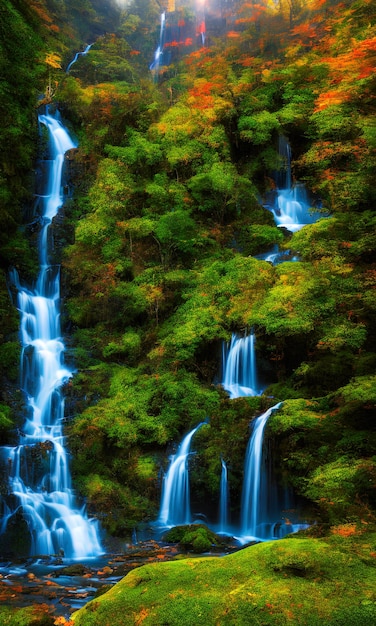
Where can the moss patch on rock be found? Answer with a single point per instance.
(193, 537)
(29, 616)
(304, 581)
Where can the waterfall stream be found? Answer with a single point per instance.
(223, 499)
(39, 481)
(77, 55)
(239, 376)
(254, 492)
(263, 503)
(175, 502)
(291, 206)
(159, 51)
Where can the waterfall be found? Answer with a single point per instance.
(291, 204)
(159, 51)
(263, 502)
(175, 506)
(275, 256)
(77, 55)
(239, 366)
(223, 499)
(38, 470)
(254, 494)
(201, 28)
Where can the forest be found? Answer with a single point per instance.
(170, 215)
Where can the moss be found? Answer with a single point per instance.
(9, 359)
(293, 581)
(340, 487)
(5, 418)
(295, 414)
(194, 537)
(119, 508)
(29, 616)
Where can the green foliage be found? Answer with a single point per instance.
(5, 418)
(336, 486)
(296, 302)
(343, 334)
(121, 507)
(256, 238)
(359, 391)
(294, 414)
(27, 616)
(224, 293)
(139, 152)
(108, 61)
(9, 359)
(259, 127)
(169, 178)
(21, 72)
(137, 412)
(175, 231)
(128, 346)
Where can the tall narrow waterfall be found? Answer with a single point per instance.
(38, 468)
(175, 503)
(159, 51)
(254, 512)
(291, 207)
(223, 499)
(239, 376)
(264, 503)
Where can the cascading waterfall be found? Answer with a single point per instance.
(41, 492)
(239, 366)
(201, 27)
(291, 208)
(175, 506)
(275, 256)
(159, 51)
(223, 499)
(77, 55)
(262, 502)
(253, 495)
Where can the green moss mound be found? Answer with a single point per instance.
(301, 581)
(197, 538)
(29, 616)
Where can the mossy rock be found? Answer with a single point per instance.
(29, 616)
(77, 569)
(193, 537)
(303, 581)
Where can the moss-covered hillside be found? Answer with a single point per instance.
(309, 582)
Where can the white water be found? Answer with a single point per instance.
(77, 55)
(223, 499)
(41, 492)
(239, 366)
(253, 498)
(261, 515)
(291, 207)
(159, 51)
(275, 256)
(175, 506)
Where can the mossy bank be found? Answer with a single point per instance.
(300, 580)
